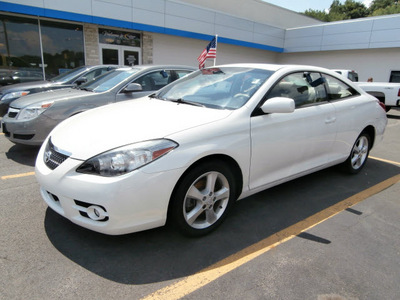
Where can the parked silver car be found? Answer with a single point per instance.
(68, 79)
(30, 119)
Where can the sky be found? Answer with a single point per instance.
(303, 5)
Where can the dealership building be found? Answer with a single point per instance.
(51, 36)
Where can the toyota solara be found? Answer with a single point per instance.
(186, 153)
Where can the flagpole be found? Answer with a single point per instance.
(216, 45)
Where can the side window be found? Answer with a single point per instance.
(182, 73)
(304, 88)
(338, 89)
(155, 80)
(95, 73)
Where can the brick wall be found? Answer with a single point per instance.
(91, 35)
(147, 55)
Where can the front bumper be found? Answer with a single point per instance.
(129, 203)
(32, 132)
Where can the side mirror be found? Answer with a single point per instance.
(278, 105)
(80, 81)
(133, 87)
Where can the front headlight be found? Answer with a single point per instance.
(32, 111)
(125, 159)
(14, 95)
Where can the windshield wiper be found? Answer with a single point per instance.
(183, 101)
(86, 89)
(153, 96)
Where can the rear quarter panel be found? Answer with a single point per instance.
(353, 115)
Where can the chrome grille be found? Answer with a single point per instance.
(52, 156)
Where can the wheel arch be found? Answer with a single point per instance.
(229, 161)
(370, 130)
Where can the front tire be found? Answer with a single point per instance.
(202, 198)
(359, 154)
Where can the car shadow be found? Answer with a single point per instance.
(162, 254)
(22, 154)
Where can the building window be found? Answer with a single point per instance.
(394, 76)
(20, 57)
(62, 46)
(20, 49)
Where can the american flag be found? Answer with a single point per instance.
(209, 52)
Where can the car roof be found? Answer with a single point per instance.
(280, 67)
(152, 67)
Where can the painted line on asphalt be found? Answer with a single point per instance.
(385, 160)
(17, 175)
(196, 281)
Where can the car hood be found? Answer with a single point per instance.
(27, 86)
(111, 126)
(52, 95)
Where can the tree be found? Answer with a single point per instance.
(384, 7)
(317, 14)
(352, 9)
(378, 4)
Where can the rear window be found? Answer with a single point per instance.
(394, 76)
(109, 80)
(353, 76)
(338, 89)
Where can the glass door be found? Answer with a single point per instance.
(110, 56)
(131, 57)
(120, 55)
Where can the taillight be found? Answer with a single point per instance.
(398, 94)
(383, 104)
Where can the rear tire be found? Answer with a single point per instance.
(202, 198)
(359, 154)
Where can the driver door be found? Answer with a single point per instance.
(286, 144)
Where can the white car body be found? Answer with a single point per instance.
(268, 149)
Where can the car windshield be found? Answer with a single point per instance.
(108, 80)
(67, 76)
(221, 88)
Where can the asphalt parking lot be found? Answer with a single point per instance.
(322, 236)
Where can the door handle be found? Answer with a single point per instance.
(330, 120)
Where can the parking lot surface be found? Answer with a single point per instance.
(322, 236)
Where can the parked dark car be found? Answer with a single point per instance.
(71, 78)
(8, 77)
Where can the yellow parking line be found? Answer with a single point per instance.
(17, 175)
(194, 282)
(386, 161)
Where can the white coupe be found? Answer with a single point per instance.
(186, 153)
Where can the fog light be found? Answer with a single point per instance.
(96, 213)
